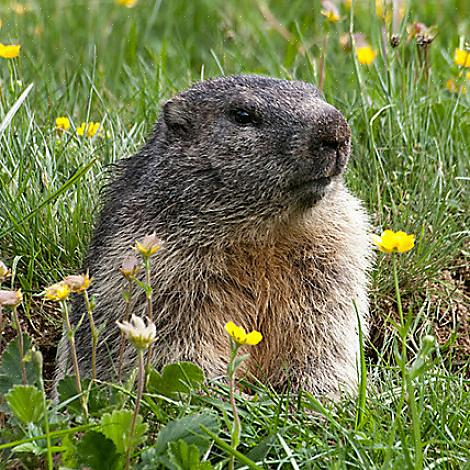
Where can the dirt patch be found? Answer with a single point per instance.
(44, 326)
(452, 324)
(446, 303)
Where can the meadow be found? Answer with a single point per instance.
(407, 102)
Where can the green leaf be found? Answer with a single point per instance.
(150, 460)
(179, 455)
(100, 399)
(14, 109)
(186, 457)
(70, 182)
(97, 452)
(182, 377)
(68, 452)
(103, 399)
(260, 452)
(10, 366)
(26, 403)
(67, 390)
(239, 360)
(116, 426)
(144, 286)
(29, 448)
(188, 429)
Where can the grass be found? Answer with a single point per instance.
(98, 61)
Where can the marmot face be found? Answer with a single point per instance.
(256, 147)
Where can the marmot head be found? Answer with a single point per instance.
(246, 149)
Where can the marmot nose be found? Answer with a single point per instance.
(330, 140)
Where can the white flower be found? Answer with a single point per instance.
(139, 334)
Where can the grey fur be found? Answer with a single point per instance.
(257, 226)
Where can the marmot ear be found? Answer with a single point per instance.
(177, 116)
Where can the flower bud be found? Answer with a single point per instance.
(330, 11)
(148, 246)
(5, 273)
(130, 267)
(10, 298)
(395, 40)
(78, 283)
(428, 343)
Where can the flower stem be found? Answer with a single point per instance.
(1, 326)
(402, 359)
(321, 65)
(12, 75)
(127, 314)
(37, 358)
(407, 388)
(20, 345)
(402, 330)
(418, 457)
(236, 430)
(397, 289)
(149, 295)
(140, 391)
(94, 335)
(73, 351)
(362, 395)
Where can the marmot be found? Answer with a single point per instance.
(242, 181)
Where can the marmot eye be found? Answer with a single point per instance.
(244, 117)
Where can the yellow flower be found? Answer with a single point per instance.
(78, 283)
(10, 51)
(240, 336)
(450, 85)
(462, 57)
(10, 298)
(139, 334)
(57, 292)
(453, 88)
(379, 8)
(20, 9)
(331, 16)
(88, 129)
(62, 123)
(330, 12)
(149, 245)
(384, 9)
(391, 241)
(127, 3)
(365, 55)
(5, 272)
